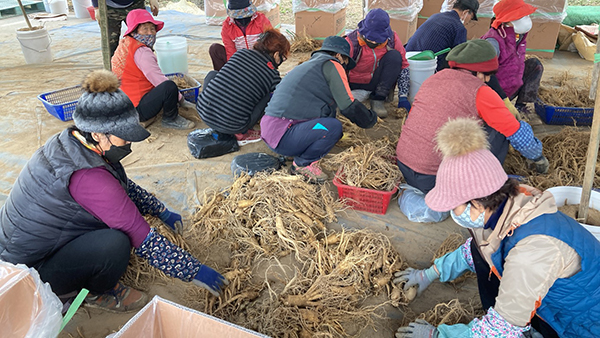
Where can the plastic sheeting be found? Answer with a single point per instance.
(28, 308)
(405, 10)
(331, 6)
(412, 204)
(266, 5)
(485, 7)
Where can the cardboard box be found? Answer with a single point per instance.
(476, 29)
(161, 318)
(273, 16)
(430, 7)
(215, 12)
(404, 29)
(541, 40)
(319, 25)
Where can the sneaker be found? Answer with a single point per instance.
(379, 108)
(251, 136)
(178, 122)
(312, 172)
(119, 299)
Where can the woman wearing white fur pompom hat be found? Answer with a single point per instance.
(548, 263)
(74, 216)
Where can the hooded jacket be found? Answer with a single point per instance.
(511, 60)
(233, 37)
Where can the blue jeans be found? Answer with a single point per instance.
(311, 140)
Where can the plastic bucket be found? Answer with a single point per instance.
(80, 8)
(572, 195)
(420, 70)
(35, 45)
(58, 6)
(171, 52)
(46, 6)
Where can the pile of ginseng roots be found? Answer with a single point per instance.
(566, 153)
(289, 276)
(367, 165)
(567, 92)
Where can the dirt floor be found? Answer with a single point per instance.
(163, 164)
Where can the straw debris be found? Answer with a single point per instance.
(566, 152)
(566, 92)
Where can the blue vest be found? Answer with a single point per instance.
(303, 94)
(572, 305)
(40, 216)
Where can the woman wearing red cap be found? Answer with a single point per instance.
(537, 269)
(519, 78)
(136, 65)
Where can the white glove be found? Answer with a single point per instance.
(417, 329)
(412, 277)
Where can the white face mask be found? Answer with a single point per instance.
(523, 25)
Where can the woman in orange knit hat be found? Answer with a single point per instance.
(519, 78)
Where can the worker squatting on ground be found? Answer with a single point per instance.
(518, 77)
(142, 80)
(380, 61)
(548, 263)
(241, 30)
(461, 92)
(300, 118)
(444, 30)
(252, 72)
(74, 216)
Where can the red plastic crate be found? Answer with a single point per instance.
(362, 199)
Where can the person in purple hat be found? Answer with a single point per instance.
(380, 61)
(537, 268)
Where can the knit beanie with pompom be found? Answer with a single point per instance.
(468, 170)
(104, 108)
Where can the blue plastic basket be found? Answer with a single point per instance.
(61, 103)
(564, 115)
(190, 94)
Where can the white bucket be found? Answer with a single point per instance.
(171, 52)
(419, 72)
(80, 8)
(35, 45)
(572, 195)
(58, 6)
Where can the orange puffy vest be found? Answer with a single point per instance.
(133, 82)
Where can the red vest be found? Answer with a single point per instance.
(133, 82)
(446, 95)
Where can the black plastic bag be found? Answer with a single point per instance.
(252, 163)
(204, 143)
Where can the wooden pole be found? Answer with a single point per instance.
(103, 23)
(25, 15)
(592, 152)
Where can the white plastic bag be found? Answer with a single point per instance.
(28, 307)
(412, 204)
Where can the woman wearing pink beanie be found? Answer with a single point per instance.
(536, 267)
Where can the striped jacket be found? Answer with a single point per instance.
(227, 102)
(233, 37)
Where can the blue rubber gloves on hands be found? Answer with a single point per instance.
(403, 103)
(209, 279)
(417, 329)
(172, 220)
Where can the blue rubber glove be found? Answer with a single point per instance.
(210, 280)
(403, 103)
(172, 220)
